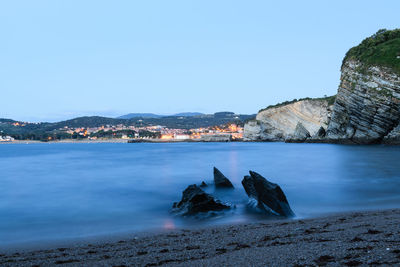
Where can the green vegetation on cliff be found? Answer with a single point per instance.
(330, 99)
(382, 49)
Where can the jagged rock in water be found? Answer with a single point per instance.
(220, 180)
(320, 134)
(195, 200)
(300, 134)
(367, 106)
(268, 196)
(203, 184)
(278, 122)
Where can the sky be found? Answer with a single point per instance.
(63, 59)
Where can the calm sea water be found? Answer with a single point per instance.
(62, 191)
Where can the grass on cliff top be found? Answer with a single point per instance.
(330, 99)
(382, 49)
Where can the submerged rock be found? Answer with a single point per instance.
(220, 180)
(195, 200)
(203, 184)
(267, 196)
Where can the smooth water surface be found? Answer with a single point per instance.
(58, 191)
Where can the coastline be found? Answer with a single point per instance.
(158, 141)
(344, 239)
(66, 141)
(124, 141)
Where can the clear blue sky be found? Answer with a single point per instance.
(61, 59)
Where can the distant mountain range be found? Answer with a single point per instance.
(152, 115)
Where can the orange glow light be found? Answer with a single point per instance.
(166, 136)
(233, 128)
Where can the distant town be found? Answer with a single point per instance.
(228, 132)
(222, 127)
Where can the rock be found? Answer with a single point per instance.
(276, 123)
(253, 131)
(393, 137)
(195, 200)
(268, 196)
(320, 133)
(203, 184)
(300, 134)
(216, 138)
(220, 180)
(367, 107)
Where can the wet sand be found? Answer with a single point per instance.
(349, 239)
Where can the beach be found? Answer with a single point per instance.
(109, 205)
(346, 239)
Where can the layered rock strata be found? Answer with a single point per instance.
(300, 134)
(279, 123)
(367, 106)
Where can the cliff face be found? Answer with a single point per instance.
(279, 123)
(367, 106)
(366, 109)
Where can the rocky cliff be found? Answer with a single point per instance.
(277, 123)
(367, 107)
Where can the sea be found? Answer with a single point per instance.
(65, 191)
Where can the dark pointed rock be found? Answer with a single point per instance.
(220, 180)
(320, 133)
(195, 200)
(203, 184)
(268, 196)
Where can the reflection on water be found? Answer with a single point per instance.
(169, 224)
(56, 191)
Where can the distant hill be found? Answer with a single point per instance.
(152, 115)
(87, 122)
(188, 114)
(139, 115)
(25, 130)
(7, 121)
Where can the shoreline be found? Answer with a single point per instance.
(162, 141)
(122, 141)
(351, 238)
(66, 141)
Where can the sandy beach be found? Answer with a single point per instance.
(350, 239)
